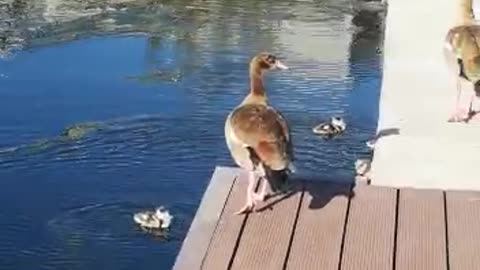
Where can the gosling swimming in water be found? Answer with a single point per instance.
(158, 219)
(330, 129)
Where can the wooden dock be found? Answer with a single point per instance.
(333, 226)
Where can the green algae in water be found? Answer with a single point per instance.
(69, 134)
(79, 131)
(158, 76)
(40, 145)
(29, 149)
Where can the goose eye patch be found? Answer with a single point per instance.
(270, 59)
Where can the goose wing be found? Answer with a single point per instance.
(265, 131)
(463, 44)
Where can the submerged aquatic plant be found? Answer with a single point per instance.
(78, 131)
(158, 76)
(68, 135)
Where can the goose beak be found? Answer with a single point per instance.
(280, 65)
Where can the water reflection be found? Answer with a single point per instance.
(112, 106)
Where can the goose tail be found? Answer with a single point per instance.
(291, 168)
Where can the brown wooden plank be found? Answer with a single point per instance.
(198, 238)
(421, 235)
(463, 223)
(266, 237)
(369, 236)
(225, 238)
(318, 235)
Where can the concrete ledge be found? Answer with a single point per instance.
(417, 96)
(423, 162)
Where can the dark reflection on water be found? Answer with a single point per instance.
(129, 113)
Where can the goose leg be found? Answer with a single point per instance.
(260, 197)
(249, 198)
(460, 114)
(456, 112)
(471, 111)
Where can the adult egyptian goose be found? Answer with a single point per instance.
(257, 135)
(462, 52)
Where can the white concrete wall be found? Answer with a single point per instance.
(417, 96)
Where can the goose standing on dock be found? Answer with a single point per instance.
(462, 51)
(257, 135)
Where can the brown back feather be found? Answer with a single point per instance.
(264, 130)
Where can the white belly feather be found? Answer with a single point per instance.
(239, 152)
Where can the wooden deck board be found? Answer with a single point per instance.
(196, 242)
(370, 230)
(319, 227)
(265, 239)
(223, 243)
(319, 231)
(463, 223)
(421, 235)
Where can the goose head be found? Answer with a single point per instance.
(339, 123)
(259, 64)
(163, 216)
(265, 61)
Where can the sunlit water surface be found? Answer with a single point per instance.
(108, 109)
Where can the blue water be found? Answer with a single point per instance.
(151, 98)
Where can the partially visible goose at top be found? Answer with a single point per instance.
(369, 6)
(462, 51)
(258, 136)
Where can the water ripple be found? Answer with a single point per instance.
(107, 125)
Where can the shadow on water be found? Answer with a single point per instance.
(150, 83)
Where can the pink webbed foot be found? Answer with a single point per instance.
(247, 208)
(460, 115)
